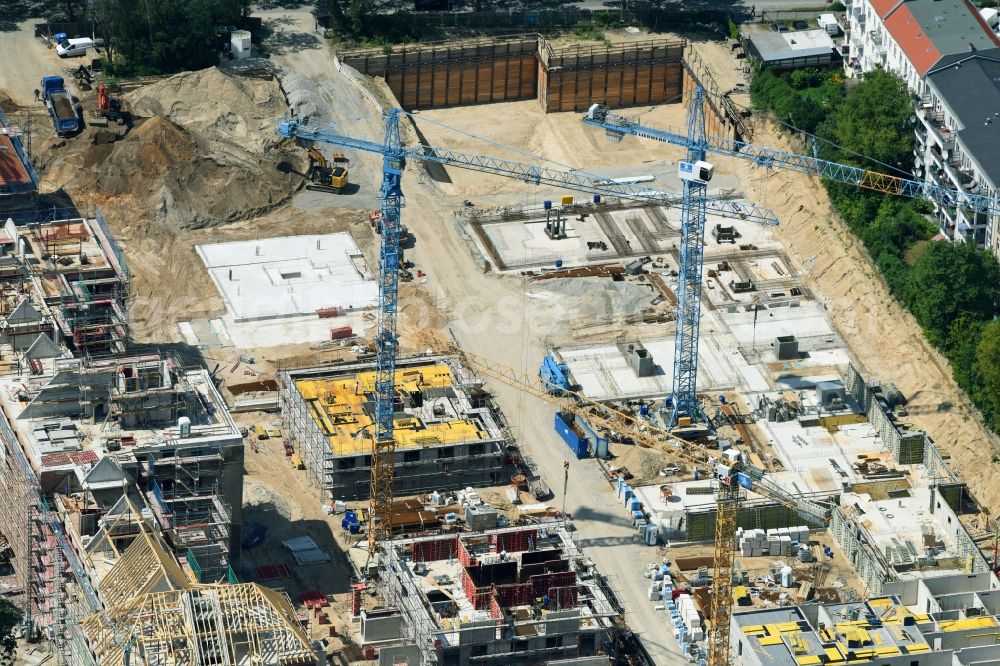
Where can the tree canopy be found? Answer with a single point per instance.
(950, 281)
(874, 121)
(952, 289)
(163, 36)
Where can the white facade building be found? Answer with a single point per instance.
(946, 51)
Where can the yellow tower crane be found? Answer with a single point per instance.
(733, 476)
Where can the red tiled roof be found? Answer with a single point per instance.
(917, 46)
(882, 7)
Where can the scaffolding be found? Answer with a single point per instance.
(447, 429)
(157, 616)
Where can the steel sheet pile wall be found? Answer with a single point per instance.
(573, 78)
(452, 74)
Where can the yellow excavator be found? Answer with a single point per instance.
(326, 176)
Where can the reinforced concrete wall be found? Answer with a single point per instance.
(573, 78)
(700, 526)
(452, 74)
(856, 543)
(907, 447)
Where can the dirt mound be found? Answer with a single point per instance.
(219, 108)
(203, 151)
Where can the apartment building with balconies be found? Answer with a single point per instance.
(946, 52)
(958, 139)
(909, 37)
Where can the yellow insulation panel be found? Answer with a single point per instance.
(336, 405)
(985, 622)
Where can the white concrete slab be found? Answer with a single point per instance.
(293, 275)
(807, 320)
(187, 332)
(288, 330)
(604, 373)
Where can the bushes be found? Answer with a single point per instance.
(799, 98)
(952, 289)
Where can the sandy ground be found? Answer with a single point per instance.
(33, 61)
(503, 317)
(279, 497)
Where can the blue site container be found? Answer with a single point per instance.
(580, 446)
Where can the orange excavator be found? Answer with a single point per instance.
(111, 108)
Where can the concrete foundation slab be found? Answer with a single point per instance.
(295, 275)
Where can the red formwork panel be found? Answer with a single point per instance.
(542, 583)
(495, 612)
(464, 558)
(479, 597)
(515, 595)
(433, 551)
(515, 542)
(564, 597)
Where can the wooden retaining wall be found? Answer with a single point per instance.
(648, 72)
(454, 74)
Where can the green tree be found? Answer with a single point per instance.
(9, 618)
(335, 11)
(874, 121)
(950, 280)
(356, 10)
(987, 369)
(162, 36)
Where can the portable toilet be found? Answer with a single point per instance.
(240, 41)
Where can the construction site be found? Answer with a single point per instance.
(513, 348)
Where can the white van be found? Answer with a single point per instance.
(74, 47)
(829, 23)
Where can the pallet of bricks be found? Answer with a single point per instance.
(774, 542)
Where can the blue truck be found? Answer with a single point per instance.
(62, 108)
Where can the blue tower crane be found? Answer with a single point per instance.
(394, 157)
(698, 144)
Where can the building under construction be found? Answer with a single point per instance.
(63, 287)
(448, 431)
(18, 180)
(153, 614)
(521, 595)
(89, 431)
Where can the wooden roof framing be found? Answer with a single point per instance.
(156, 612)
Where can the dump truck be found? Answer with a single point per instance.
(325, 176)
(62, 108)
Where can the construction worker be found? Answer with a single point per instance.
(38, 95)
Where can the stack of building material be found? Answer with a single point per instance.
(773, 542)
(692, 620)
(305, 550)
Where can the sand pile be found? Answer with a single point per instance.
(203, 151)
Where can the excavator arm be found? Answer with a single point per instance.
(317, 158)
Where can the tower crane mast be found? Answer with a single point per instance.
(698, 144)
(394, 157)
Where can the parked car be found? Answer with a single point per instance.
(800, 25)
(779, 26)
(74, 47)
